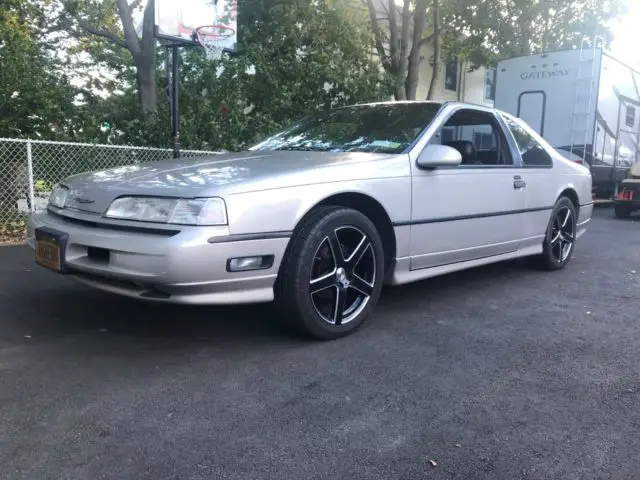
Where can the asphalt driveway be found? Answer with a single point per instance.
(500, 372)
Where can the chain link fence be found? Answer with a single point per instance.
(29, 169)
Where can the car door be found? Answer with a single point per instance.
(471, 211)
(540, 179)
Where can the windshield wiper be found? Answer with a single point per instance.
(302, 149)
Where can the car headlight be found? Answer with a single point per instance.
(58, 196)
(198, 211)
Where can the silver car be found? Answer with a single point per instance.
(319, 216)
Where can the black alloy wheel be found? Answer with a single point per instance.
(331, 276)
(560, 237)
(563, 233)
(343, 274)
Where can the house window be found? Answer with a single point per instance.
(631, 116)
(490, 84)
(451, 76)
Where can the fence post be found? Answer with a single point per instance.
(32, 199)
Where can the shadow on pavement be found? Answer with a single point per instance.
(60, 306)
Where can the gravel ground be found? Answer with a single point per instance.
(498, 372)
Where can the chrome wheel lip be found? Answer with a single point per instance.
(343, 278)
(562, 234)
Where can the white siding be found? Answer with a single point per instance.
(471, 88)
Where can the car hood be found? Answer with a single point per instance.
(214, 175)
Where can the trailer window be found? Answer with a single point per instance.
(533, 154)
(451, 76)
(490, 84)
(631, 116)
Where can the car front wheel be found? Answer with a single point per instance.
(331, 276)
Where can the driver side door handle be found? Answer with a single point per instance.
(518, 183)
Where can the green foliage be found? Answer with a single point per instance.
(294, 58)
(484, 31)
(36, 98)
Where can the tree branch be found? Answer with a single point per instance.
(148, 21)
(436, 50)
(395, 37)
(64, 24)
(377, 34)
(427, 39)
(130, 36)
(100, 32)
(404, 36)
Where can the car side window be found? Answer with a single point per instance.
(533, 154)
(477, 136)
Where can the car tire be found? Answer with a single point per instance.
(324, 293)
(558, 245)
(621, 211)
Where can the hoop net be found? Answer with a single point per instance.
(213, 38)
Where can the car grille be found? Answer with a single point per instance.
(165, 232)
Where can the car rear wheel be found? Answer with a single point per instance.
(560, 237)
(622, 211)
(331, 276)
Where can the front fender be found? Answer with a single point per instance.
(280, 210)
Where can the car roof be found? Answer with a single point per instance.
(394, 102)
(428, 102)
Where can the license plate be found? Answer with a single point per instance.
(50, 249)
(48, 255)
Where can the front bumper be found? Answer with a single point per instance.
(188, 265)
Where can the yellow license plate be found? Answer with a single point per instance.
(48, 254)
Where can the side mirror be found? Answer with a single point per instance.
(433, 156)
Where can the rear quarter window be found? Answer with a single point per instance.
(532, 152)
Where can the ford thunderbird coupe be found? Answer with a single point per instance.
(319, 216)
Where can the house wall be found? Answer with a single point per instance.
(470, 88)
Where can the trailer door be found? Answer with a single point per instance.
(531, 109)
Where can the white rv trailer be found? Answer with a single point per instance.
(583, 102)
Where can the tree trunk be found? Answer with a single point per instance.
(436, 51)
(461, 64)
(404, 46)
(399, 92)
(413, 68)
(143, 50)
(147, 89)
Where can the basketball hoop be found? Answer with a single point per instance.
(213, 38)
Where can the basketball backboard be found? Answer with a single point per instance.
(177, 20)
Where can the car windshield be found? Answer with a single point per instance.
(383, 128)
